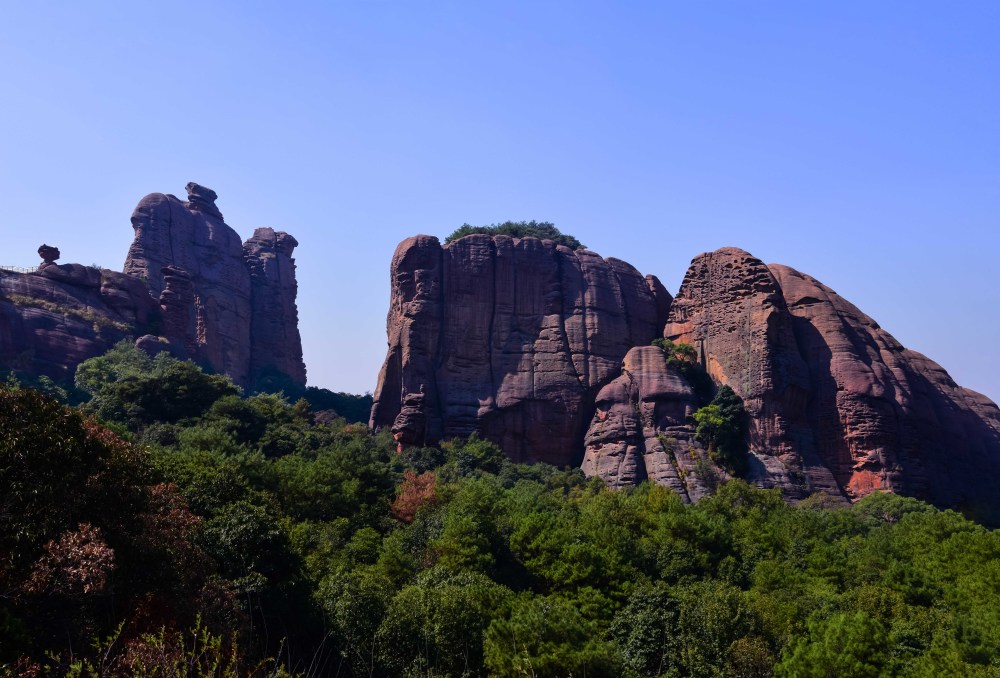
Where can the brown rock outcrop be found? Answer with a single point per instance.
(525, 342)
(190, 286)
(886, 417)
(642, 429)
(275, 345)
(731, 310)
(510, 338)
(193, 237)
(245, 318)
(53, 319)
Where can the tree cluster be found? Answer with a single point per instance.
(543, 230)
(242, 530)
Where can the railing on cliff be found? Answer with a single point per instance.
(19, 269)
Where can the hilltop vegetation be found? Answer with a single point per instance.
(289, 545)
(520, 229)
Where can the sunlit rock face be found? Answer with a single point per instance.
(544, 350)
(642, 429)
(509, 338)
(190, 286)
(245, 317)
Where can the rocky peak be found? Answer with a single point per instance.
(275, 345)
(544, 350)
(190, 286)
(201, 199)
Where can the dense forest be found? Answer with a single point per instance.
(167, 524)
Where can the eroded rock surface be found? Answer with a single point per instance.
(275, 345)
(642, 429)
(192, 236)
(545, 351)
(190, 286)
(53, 319)
(509, 338)
(885, 417)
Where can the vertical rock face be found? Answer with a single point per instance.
(190, 286)
(193, 237)
(275, 345)
(642, 429)
(245, 318)
(510, 338)
(731, 310)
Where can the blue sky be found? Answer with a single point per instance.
(858, 142)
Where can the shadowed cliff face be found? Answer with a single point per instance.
(510, 338)
(529, 345)
(54, 319)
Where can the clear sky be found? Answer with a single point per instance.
(858, 142)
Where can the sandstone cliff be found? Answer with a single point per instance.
(642, 429)
(510, 338)
(529, 345)
(53, 319)
(189, 285)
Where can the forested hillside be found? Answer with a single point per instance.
(172, 523)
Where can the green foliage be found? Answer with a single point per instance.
(98, 320)
(353, 408)
(684, 358)
(849, 645)
(289, 539)
(520, 229)
(130, 388)
(88, 535)
(721, 427)
(548, 636)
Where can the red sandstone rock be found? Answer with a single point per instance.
(886, 417)
(189, 286)
(275, 345)
(642, 429)
(730, 308)
(52, 320)
(192, 236)
(510, 338)
(246, 322)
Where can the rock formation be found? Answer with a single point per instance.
(190, 285)
(836, 404)
(525, 343)
(53, 319)
(193, 237)
(245, 318)
(510, 338)
(275, 345)
(642, 429)
(885, 417)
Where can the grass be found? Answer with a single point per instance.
(99, 321)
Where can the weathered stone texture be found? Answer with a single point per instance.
(193, 237)
(190, 286)
(731, 310)
(53, 319)
(525, 343)
(275, 345)
(510, 338)
(642, 429)
(886, 417)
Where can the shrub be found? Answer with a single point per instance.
(520, 229)
(721, 427)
